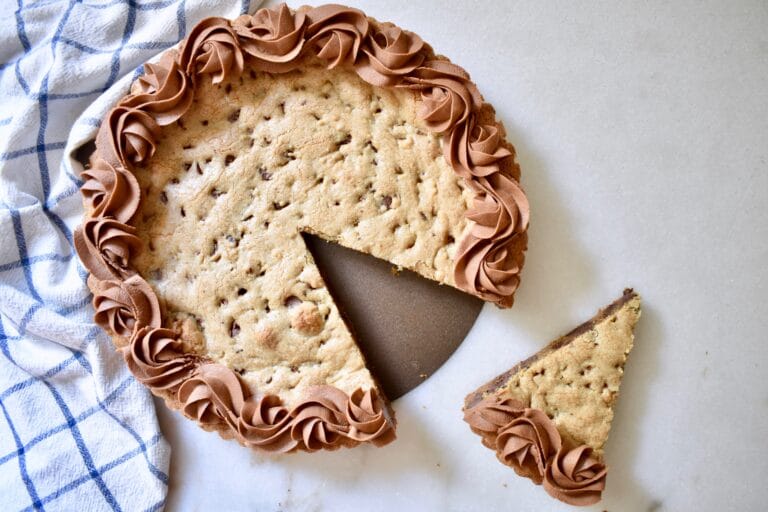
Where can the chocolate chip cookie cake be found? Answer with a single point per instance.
(232, 146)
(550, 415)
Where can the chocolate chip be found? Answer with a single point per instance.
(346, 140)
(242, 291)
(289, 154)
(240, 371)
(266, 176)
(229, 159)
(387, 200)
(234, 116)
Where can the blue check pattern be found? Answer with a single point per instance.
(77, 432)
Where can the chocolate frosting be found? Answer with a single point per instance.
(575, 477)
(326, 419)
(337, 33)
(105, 247)
(123, 307)
(110, 191)
(488, 258)
(127, 136)
(528, 440)
(447, 94)
(475, 150)
(212, 47)
(156, 358)
(163, 90)
(390, 54)
(274, 38)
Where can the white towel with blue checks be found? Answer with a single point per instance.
(77, 432)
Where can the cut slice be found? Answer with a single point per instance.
(565, 395)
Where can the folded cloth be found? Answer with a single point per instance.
(77, 432)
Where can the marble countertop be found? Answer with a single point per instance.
(642, 132)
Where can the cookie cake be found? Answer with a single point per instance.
(230, 147)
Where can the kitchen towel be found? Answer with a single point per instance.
(77, 432)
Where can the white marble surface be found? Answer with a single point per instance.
(642, 131)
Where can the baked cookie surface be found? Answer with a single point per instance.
(253, 132)
(230, 190)
(549, 416)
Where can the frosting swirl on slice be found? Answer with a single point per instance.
(528, 440)
(575, 477)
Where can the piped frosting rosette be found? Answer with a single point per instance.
(527, 440)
